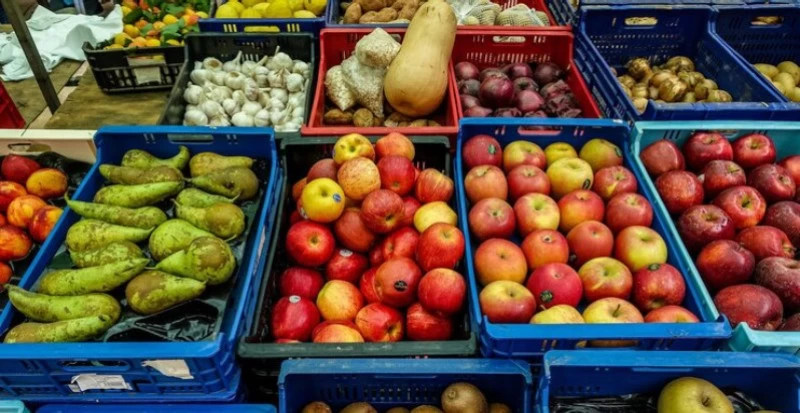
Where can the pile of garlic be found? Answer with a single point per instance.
(269, 92)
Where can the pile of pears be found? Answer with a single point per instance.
(190, 251)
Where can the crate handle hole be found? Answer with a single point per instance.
(509, 40)
(544, 131)
(190, 138)
(641, 21)
(767, 21)
(262, 29)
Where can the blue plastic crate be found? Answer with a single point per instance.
(45, 372)
(530, 341)
(604, 41)
(312, 26)
(772, 379)
(12, 406)
(157, 408)
(785, 135)
(567, 15)
(387, 383)
(759, 43)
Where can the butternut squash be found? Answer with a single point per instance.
(416, 81)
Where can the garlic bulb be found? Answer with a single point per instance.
(216, 93)
(219, 121)
(276, 79)
(260, 75)
(230, 106)
(298, 112)
(234, 80)
(217, 78)
(200, 76)
(248, 67)
(276, 104)
(294, 82)
(242, 119)
(212, 63)
(279, 94)
(212, 109)
(251, 108)
(297, 99)
(261, 118)
(251, 92)
(263, 100)
(239, 97)
(194, 95)
(233, 65)
(195, 118)
(277, 117)
(281, 61)
(302, 68)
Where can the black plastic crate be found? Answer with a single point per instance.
(254, 46)
(260, 358)
(135, 69)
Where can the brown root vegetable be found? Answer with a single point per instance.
(689, 97)
(719, 96)
(626, 80)
(316, 407)
(426, 409)
(363, 118)
(398, 409)
(672, 90)
(652, 92)
(627, 91)
(640, 90)
(371, 5)
(337, 117)
(463, 398)
(359, 407)
(640, 104)
(691, 79)
(499, 408)
(638, 68)
(680, 64)
(353, 14)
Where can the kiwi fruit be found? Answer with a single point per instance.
(397, 410)
(463, 398)
(358, 407)
(426, 409)
(499, 408)
(316, 407)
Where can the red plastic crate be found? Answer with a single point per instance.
(9, 115)
(509, 46)
(338, 44)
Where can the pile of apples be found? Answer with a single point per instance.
(585, 237)
(25, 189)
(374, 244)
(737, 213)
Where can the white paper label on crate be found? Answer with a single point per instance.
(172, 368)
(85, 382)
(147, 69)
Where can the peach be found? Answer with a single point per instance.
(43, 222)
(5, 273)
(3, 220)
(20, 210)
(47, 183)
(14, 243)
(8, 192)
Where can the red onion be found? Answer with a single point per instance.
(571, 113)
(528, 101)
(466, 70)
(492, 72)
(469, 87)
(468, 101)
(507, 113)
(537, 114)
(557, 88)
(547, 72)
(518, 70)
(496, 93)
(477, 112)
(525, 83)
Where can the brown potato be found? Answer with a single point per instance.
(371, 5)
(353, 14)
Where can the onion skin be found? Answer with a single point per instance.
(477, 112)
(468, 101)
(547, 72)
(492, 72)
(469, 87)
(467, 70)
(508, 113)
(528, 101)
(525, 83)
(496, 93)
(518, 70)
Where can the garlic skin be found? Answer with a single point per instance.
(200, 76)
(294, 82)
(194, 95)
(212, 63)
(230, 106)
(234, 80)
(248, 67)
(277, 117)
(233, 65)
(251, 92)
(302, 68)
(281, 61)
(276, 79)
(217, 78)
(297, 99)
(212, 109)
(242, 119)
(276, 104)
(298, 113)
(219, 121)
(195, 118)
(261, 118)
(279, 94)
(264, 100)
(239, 97)
(251, 108)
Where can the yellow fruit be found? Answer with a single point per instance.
(238, 6)
(278, 9)
(315, 6)
(202, 15)
(159, 26)
(250, 13)
(113, 46)
(295, 5)
(121, 38)
(303, 14)
(138, 42)
(153, 43)
(262, 8)
(131, 30)
(125, 10)
(173, 42)
(169, 19)
(141, 23)
(251, 3)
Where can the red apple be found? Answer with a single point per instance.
(295, 217)
(300, 281)
(376, 254)
(786, 217)
(605, 277)
(395, 144)
(294, 318)
(671, 314)
(704, 147)
(485, 181)
(523, 153)
(410, 207)
(752, 304)
(352, 233)
(639, 247)
(346, 265)
(505, 302)
(526, 179)
(498, 259)
(536, 211)
(422, 325)
(627, 210)
(440, 246)
(720, 175)
(792, 165)
(773, 181)
(781, 276)
(482, 150)
(590, 239)
(661, 157)
(545, 246)
(339, 300)
(555, 284)
(321, 326)
(433, 186)
(702, 224)
(656, 286)
(338, 333)
(442, 291)
(396, 282)
(367, 285)
(397, 174)
(323, 168)
(309, 244)
(765, 241)
(612, 310)
(791, 323)
(614, 180)
(380, 323)
(17, 168)
(400, 243)
(753, 150)
(723, 263)
(382, 211)
(679, 190)
(743, 204)
(579, 206)
(492, 218)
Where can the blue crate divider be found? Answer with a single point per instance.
(291, 25)
(157, 408)
(12, 406)
(530, 341)
(43, 373)
(772, 379)
(785, 135)
(751, 43)
(387, 383)
(604, 41)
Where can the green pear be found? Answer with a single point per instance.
(231, 182)
(208, 259)
(223, 220)
(144, 217)
(693, 395)
(113, 252)
(194, 197)
(173, 236)
(127, 175)
(135, 196)
(91, 234)
(206, 162)
(98, 279)
(155, 291)
(137, 158)
(49, 308)
(79, 329)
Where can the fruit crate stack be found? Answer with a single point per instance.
(285, 16)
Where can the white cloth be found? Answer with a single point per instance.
(57, 37)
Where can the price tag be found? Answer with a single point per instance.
(172, 368)
(147, 69)
(84, 382)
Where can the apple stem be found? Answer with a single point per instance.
(616, 310)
